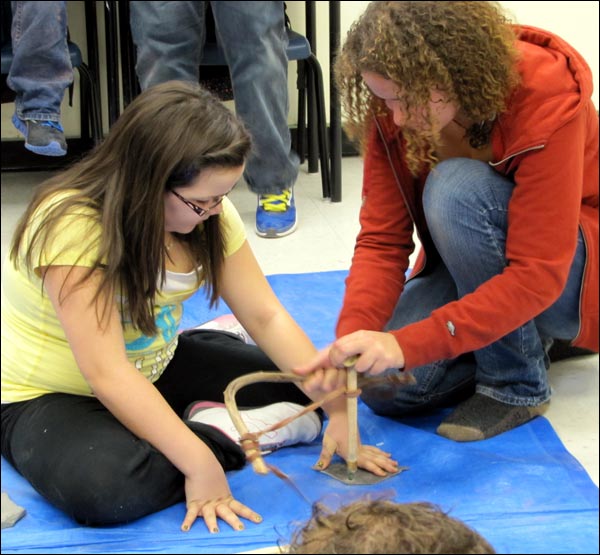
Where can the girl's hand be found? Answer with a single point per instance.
(335, 441)
(209, 497)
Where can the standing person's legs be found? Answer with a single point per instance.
(40, 72)
(254, 40)
(169, 37)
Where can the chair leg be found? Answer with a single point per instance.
(300, 142)
(301, 127)
(84, 107)
(319, 95)
(95, 110)
(128, 76)
(112, 56)
(313, 121)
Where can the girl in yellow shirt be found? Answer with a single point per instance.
(95, 377)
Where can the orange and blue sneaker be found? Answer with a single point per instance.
(276, 214)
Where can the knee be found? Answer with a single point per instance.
(379, 398)
(457, 192)
(392, 400)
(104, 488)
(452, 188)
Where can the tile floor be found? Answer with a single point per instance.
(324, 241)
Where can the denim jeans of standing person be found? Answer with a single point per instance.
(41, 68)
(40, 72)
(466, 206)
(169, 38)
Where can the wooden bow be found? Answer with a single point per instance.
(249, 440)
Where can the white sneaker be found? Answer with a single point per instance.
(302, 430)
(228, 322)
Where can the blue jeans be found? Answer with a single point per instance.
(41, 69)
(170, 36)
(466, 206)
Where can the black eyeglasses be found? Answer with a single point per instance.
(199, 210)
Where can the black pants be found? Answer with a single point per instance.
(78, 456)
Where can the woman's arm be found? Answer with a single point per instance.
(99, 350)
(385, 241)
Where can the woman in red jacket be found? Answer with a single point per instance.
(483, 137)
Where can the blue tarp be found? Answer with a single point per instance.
(522, 490)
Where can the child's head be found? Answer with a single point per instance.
(168, 137)
(169, 134)
(383, 526)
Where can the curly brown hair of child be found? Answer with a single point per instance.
(383, 526)
(466, 49)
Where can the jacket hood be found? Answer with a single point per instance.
(556, 82)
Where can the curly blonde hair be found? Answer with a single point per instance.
(465, 49)
(382, 526)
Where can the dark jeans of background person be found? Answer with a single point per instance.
(169, 39)
(41, 69)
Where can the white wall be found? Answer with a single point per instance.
(577, 22)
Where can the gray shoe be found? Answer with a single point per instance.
(42, 137)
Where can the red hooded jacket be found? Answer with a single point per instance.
(547, 143)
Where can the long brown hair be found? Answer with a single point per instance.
(171, 130)
(466, 49)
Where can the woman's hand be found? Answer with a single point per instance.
(209, 497)
(377, 351)
(321, 376)
(335, 441)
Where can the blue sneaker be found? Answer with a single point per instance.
(42, 137)
(276, 214)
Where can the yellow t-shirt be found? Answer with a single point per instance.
(36, 358)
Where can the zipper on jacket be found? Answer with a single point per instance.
(539, 147)
(387, 151)
(412, 216)
(585, 245)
